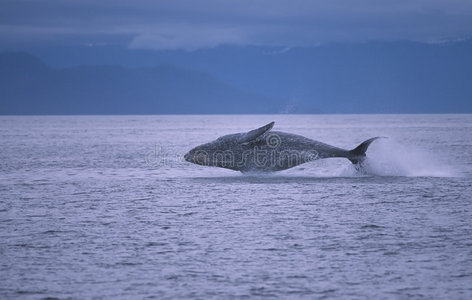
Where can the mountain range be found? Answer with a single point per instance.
(29, 86)
(374, 77)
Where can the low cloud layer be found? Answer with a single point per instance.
(184, 24)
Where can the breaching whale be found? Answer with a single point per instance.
(264, 150)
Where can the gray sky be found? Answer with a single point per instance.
(186, 24)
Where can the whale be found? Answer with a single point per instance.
(265, 150)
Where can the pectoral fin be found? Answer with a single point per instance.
(254, 134)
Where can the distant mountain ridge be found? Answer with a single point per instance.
(373, 77)
(29, 86)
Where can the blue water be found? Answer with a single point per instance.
(106, 207)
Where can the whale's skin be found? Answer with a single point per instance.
(267, 152)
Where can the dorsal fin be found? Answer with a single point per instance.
(254, 134)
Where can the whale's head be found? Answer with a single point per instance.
(225, 151)
(218, 153)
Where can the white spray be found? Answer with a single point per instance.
(388, 157)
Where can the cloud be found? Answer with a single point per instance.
(185, 24)
(188, 37)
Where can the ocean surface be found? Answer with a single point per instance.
(106, 207)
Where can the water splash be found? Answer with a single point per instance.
(391, 158)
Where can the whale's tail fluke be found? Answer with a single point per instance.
(357, 155)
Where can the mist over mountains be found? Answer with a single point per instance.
(375, 77)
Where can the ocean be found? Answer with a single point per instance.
(106, 207)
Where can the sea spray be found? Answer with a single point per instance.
(389, 157)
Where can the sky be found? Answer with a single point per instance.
(191, 24)
(328, 56)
